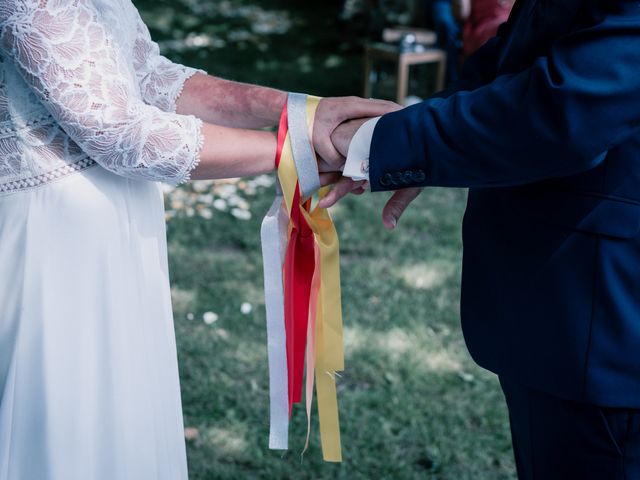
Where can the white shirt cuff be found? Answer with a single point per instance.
(357, 164)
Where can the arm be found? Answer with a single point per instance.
(479, 69)
(229, 103)
(557, 118)
(70, 62)
(236, 104)
(185, 90)
(173, 87)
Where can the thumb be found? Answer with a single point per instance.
(396, 206)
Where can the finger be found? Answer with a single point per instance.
(326, 167)
(325, 148)
(339, 190)
(323, 126)
(342, 109)
(396, 206)
(329, 178)
(343, 135)
(358, 191)
(362, 107)
(323, 144)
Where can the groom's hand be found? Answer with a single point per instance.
(391, 212)
(334, 111)
(342, 136)
(398, 202)
(341, 139)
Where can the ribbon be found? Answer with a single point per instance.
(274, 240)
(303, 300)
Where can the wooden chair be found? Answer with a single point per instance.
(403, 61)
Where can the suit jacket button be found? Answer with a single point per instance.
(385, 180)
(419, 176)
(407, 177)
(396, 178)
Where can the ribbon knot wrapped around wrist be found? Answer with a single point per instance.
(302, 286)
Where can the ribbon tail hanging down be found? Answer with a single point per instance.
(274, 236)
(328, 338)
(303, 297)
(274, 240)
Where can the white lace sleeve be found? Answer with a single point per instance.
(66, 55)
(160, 79)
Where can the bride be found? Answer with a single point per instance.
(92, 117)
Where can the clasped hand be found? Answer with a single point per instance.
(337, 121)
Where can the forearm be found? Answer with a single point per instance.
(556, 118)
(232, 104)
(233, 152)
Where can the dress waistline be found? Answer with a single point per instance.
(46, 177)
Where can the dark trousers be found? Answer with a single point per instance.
(557, 439)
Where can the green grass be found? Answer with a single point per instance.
(412, 402)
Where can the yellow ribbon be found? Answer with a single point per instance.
(329, 341)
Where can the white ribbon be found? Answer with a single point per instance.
(303, 156)
(274, 244)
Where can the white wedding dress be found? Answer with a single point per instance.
(89, 386)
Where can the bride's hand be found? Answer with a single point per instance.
(334, 111)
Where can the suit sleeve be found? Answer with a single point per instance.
(557, 118)
(480, 68)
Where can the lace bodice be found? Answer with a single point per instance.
(82, 82)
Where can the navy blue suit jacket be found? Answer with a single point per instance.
(544, 129)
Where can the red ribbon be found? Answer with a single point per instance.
(299, 266)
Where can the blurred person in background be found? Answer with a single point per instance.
(480, 20)
(447, 30)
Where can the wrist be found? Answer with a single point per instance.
(357, 163)
(278, 103)
(343, 135)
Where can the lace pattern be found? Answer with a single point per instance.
(73, 86)
(47, 177)
(160, 80)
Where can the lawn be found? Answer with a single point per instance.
(412, 402)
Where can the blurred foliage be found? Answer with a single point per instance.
(278, 43)
(412, 403)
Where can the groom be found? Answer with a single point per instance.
(544, 129)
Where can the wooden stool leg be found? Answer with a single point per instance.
(403, 81)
